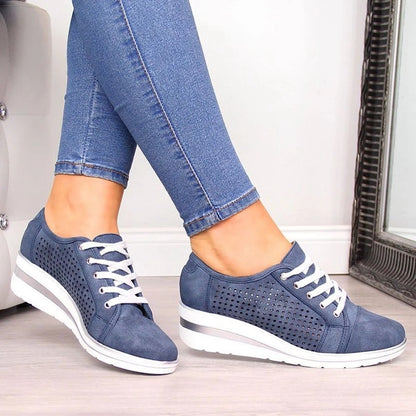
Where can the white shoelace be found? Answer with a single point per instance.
(338, 294)
(129, 295)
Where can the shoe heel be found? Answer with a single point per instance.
(203, 342)
(21, 288)
(196, 334)
(213, 344)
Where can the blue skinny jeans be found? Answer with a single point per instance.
(137, 77)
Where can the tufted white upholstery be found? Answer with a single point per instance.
(25, 69)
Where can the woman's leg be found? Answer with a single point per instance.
(95, 155)
(148, 60)
(73, 264)
(147, 57)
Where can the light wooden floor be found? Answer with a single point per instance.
(43, 371)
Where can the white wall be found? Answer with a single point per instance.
(287, 75)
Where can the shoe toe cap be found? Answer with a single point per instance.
(137, 335)
(373, 332)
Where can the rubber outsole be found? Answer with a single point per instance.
(35, 286)
(219, 334)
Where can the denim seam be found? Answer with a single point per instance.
(215, 210)
(88, 165)
(89, 123)
(169, 123)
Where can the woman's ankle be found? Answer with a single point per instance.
(83, 206)
(244, 244)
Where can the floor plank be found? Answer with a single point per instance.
(43, 371)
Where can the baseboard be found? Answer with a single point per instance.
(164, 251)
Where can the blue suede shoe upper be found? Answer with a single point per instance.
(277, 306)
(125, 327)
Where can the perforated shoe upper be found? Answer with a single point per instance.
(100, 279)
(314, 315)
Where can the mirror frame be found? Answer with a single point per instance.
(378, 258)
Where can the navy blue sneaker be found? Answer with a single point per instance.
(291, 313)
(91, 287)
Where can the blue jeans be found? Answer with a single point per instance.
(137, 76)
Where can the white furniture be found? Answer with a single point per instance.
(25, 72)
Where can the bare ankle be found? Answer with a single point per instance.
(83, 206)
(244, 244)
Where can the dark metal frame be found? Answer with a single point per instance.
(377, 257)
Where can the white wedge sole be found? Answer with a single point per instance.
(215, 333)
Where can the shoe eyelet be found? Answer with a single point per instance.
(336, 315)
(106, 305)
(321, 306)
(89, 260)
(101, 290)
(95, 275)
(295, 285)
(308, 295)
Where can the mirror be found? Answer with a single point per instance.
(383, 242)
(400, 214)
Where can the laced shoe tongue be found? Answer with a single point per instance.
(295, 257)
(116, 256)
(113, 255)
(110, 238)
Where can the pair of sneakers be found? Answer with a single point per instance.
(291, 312)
